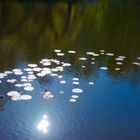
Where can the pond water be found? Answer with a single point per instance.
(70, 70)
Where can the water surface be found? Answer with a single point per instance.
(110, 108)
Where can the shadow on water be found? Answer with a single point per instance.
(3, 101)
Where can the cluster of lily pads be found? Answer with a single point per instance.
(54, 67)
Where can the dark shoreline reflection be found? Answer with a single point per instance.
(38, 28)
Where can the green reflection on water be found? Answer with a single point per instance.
(30, 31)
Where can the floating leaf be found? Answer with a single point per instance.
(117, 69)
(83, 66)
(37, 69)
(77, 90)
(66, 65)
(63, 82)
(16, 98)
(32, 65)
(91, 83)
(2, 75)
(25, 97)
(18, 85)
(28, 69)
(71, 51)
(75, 96)
(18, 72)
(82, 58)
(28, 88)
(102, 51)
(11, 80)
(60, 54)
(61, 92)
(13, 93)
(110, 54)
(72, 100)
(75, 79)
(119, 59)
(103, 68)
(57, 51)
(75, 83)
(119, 63)
(8, 72)
(48, 95)
(136, 63)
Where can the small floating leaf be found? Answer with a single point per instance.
(28, 69)
(75, 96)
(28, 88)
(72, 100)
(31, 77)
(119, 63)
(8, 72)
(83, 66)
(60, 68)
(2, 75)
(119, 59)
(75, 79)
(63, 82)
(18, 85)
(92, 63)
(25, 97)
(123, 57)
(57, 51)
(110, 54)
(54, 74)
(91, 83)
(61, 92)
(117, 69)
(37, 69)
(92, 53)
(46, 64)
(102, 51)
(32, 65)
(24, 80)
(77, 90)
(18, 72)
(75, 83)
(13, 93)
(71, 51)
(11, 80)
(103, 68)
(26, 84)
(48, 95)
(60, 54)
(16, 98)
(82, 58)
(136, 63)
(66, 65)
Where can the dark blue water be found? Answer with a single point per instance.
(107, 110)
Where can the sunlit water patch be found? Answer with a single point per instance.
(43, 124)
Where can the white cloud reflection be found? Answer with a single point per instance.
(43, 124)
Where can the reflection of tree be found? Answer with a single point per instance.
(2, 103)
(38, 28)
(69, 9)
(5, 100)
